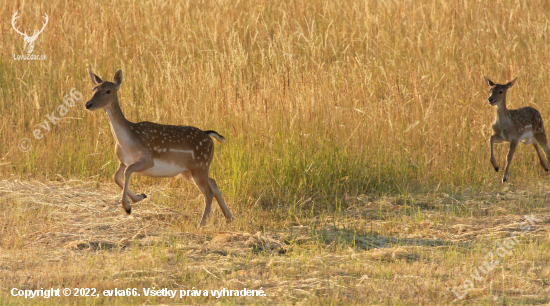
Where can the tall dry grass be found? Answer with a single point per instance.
(316, 98)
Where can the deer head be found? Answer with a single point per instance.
(105, 93)
(29, 40)
(498, 91)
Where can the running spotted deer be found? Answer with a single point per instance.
(515, 125)
(157, 150)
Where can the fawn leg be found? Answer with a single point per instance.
(494, 139)
(513, 146)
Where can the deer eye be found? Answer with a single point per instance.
(109, 92)
(500, 92)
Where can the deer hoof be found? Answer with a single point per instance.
(129, 210)
(504, 179)
(145, 196)
(496, 169)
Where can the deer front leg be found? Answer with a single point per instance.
(141, 165)
(494, 139)
(513, 146)
(119, 174)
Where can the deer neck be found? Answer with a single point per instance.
(502, 111)
(120, 127)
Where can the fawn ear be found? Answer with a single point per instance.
(511, 83)
(118, 78)
(489, 82)
(95, 79)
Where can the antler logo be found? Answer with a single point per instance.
(29, 40)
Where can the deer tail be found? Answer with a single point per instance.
(216, 135)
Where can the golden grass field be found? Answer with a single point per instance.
(356, 162)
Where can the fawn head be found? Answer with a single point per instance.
(498, 91)
(105, 93)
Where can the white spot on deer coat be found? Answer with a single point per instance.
(184, 151)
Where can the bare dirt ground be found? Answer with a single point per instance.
(380, 250)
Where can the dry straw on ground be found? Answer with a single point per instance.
(75, 234)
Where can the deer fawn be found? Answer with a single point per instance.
(157, 150)
(522, 124)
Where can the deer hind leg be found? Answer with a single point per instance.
(541, 159)
(119, 174)
(219, 198)
(188, 175)
(494, 139)
(202, 182)
(543, 142)
(513, 146)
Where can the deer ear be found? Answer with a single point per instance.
(511, 83)
(118, 78)
(489, 82)
(95, 79)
